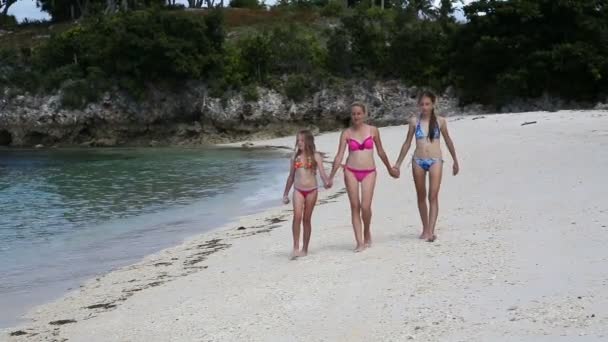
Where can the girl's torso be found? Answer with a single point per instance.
(425, 148)
(360, 148)
(305, 174)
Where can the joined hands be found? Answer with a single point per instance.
(394, 172)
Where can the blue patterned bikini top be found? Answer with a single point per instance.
(420, 133)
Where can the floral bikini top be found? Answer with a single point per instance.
(299, 164)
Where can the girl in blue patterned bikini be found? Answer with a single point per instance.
(427, 128)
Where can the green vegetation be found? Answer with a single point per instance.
(526, 48)
(505, 50)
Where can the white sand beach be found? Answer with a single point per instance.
(521, 255)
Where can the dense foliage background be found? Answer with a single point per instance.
(504, 50)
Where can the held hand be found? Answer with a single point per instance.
(285, 199)
(394, 172)
(455, 168)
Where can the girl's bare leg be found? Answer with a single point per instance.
(367, 194)
(420, 183)
(309, 206)
(298, 212)
(352, 188)
(435, 173)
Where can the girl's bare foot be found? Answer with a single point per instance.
(367, 238)
(295, 254)
(303, 253)
(360, 248)
(432, 238)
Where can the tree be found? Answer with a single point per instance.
(256, 56)
(418, 54)
(446, 10)
(5, 5)
(62, 10)
(195, 3)
(369, 32)
(420, 9)
(513, 49)
(339, 55)
(245, 4)
(293, 51)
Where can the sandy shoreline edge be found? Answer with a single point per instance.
(501, 271)
(108, 290)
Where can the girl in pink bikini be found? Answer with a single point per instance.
(303, 177)
(360, 171)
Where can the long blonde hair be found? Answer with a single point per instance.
(310, 150)
(360, 105)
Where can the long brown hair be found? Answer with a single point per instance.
(433, 120)
(310, 149)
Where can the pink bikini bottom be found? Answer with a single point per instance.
(305, 193)
(360, 174)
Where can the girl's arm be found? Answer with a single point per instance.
(289, 183)
(406, 144)
(319, 160)
(450, 144)
(339, 157)
(380, 150)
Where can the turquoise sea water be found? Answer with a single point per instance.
(67, 215)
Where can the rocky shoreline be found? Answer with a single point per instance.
(194, 117)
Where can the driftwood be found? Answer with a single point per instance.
(528, 123)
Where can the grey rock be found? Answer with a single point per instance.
(193, 116)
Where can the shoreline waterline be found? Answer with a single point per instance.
(127, 242)
(496, 271)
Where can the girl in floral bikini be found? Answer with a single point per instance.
(303, 177)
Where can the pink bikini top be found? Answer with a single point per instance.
(367, 144)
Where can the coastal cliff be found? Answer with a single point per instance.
(195, 117)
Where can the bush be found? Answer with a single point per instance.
(175, 7)
(418, 54)
(8, 22)
(512, 49)
(135, 48)
(293, 50)
(231, 71)
(334, 8)
(251, 4)
(339, 53)
(55, 78)
(250, 93)
(301, 4)
(369, 32)
(298, 87)
(16, 72)
(256, 55)
(77, 94)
